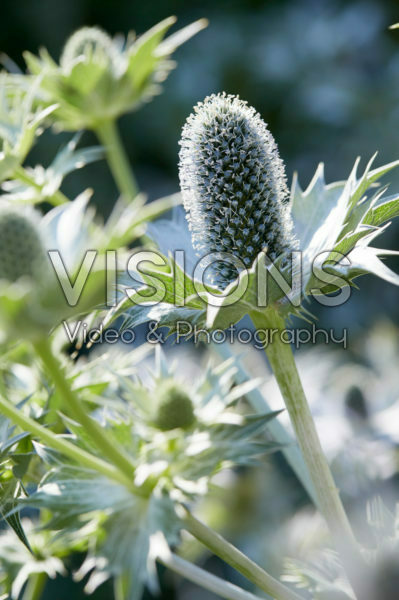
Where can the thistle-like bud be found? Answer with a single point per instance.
(22, 253)
(91, 44)
(175, 408)
(233, 184)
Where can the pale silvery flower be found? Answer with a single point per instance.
(233, 184)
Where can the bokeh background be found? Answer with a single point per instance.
(324, 74)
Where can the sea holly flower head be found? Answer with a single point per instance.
(233, 184)
(207, 430)
(320, 238)
(37, 291)
(89, 45)
(100, 78)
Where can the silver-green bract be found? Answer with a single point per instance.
(233, 185)
(100, 78)
(30, 307)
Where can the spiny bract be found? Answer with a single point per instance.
(233, 184)
(22, 253)
(175, 408)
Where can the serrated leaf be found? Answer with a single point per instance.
(69, 158)
(385, 209)
(311, 207)
(142, 59)
(366, 260)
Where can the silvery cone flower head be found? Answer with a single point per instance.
(233, 184)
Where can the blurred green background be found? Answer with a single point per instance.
(324, 74)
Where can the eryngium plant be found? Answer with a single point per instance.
(233, 184)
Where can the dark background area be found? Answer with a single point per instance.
(324, 74)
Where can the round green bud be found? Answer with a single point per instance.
(175, 408)
(22, 253)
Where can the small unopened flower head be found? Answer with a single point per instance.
(174, 407)
(233, 184)
(91, 44)
(22, 253)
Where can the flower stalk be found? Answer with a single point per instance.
(108, 134)
(108, 447)
(282, 362)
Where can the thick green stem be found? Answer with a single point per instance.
(276, 429)
(108, 134)
(35, 586)
(235, 558)
(282, 362)
(22, 175)
(73, 406)
(62, 445)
